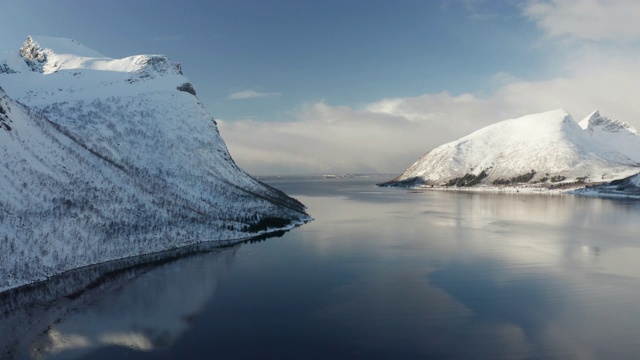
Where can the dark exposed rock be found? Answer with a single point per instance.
(411, 182)
(5, 69)
(157, 65)
(187, 87)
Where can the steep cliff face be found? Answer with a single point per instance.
(108, 158)
(547, 148)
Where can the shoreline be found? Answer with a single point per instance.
(567, 189)
(560, 190)
(73, 282)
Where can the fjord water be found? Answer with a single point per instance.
(380, 274)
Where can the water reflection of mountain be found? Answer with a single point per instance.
(144, 308)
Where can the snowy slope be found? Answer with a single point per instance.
(104, 158)
(545, 148)
(616, 135)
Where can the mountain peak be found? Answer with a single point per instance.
(34, 55)
(596, 121)
(590, 119)
(60, 45)
(48, 55)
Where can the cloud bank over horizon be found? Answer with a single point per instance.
(593, 45)
(250, 94)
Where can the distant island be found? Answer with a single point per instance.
(546, 151)
(104, 159)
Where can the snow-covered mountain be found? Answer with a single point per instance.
(105, 158)
(546, 149)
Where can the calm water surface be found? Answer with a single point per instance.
(380, 274)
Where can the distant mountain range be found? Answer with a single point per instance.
(547, 150)
(102, 159)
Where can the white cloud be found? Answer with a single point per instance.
(250, 94)
(384, 137)
(388, 135)
(597, 20)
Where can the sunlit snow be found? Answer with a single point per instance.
(540, 150)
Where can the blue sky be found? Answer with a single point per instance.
(297, 52)
(362, 86)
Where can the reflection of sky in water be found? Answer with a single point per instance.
(388, 273)
(141, 309)
(484, 275)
